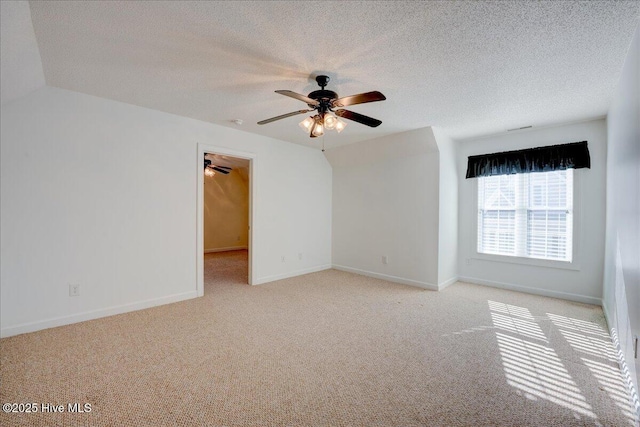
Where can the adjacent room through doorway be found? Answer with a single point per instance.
(226, 219)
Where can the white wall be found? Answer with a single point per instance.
(583, 284)
(226, 211)
(448, 209)
(622, 257)
(103, 194)
(385, 203)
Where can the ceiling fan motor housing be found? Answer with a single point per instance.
(324, 97)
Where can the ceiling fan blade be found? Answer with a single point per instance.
(284, 116)
(360, 98)
(218, 169)
(360, 118)
(299, 97)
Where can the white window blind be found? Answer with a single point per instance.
(527, 215)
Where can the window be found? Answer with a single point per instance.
(527, 215)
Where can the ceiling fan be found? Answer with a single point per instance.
(324, 102)
(210, 169)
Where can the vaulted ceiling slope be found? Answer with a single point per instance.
(20, 64)
(471, 68)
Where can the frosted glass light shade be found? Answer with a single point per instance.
(318, 129)
(340, 125)
(330, 121)
(307, 123)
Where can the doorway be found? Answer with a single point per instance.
(226, 224)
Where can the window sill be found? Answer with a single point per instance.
(563, 265)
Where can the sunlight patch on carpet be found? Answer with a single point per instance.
(598, 351)
(531, 367)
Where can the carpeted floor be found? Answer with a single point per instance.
(325, 349)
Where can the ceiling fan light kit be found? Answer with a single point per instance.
(323, 102)
(315, 125)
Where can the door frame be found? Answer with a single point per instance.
(213, 149)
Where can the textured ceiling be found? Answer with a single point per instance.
(472, 68)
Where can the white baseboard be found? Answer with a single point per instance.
(535, 291)
(94, 314)
(446, 283)
(622, 362)
(230, 248)
(394, 279)
(289, 274)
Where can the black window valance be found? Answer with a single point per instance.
(541, 159)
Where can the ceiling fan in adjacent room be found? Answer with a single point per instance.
(323, 102)
(210, 169)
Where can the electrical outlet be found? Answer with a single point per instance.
(385, 260)
(282, 258)
(74, 290)
(300, 256)
(238, 239)
(467, 261)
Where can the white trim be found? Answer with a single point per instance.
(230, 248)
(289, 274)
(535, 291)
(446, 283)
(395, 279)
(563, 265)
(94, 314)
(622, 361)
(213, 149)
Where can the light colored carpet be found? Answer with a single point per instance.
(325, 349)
